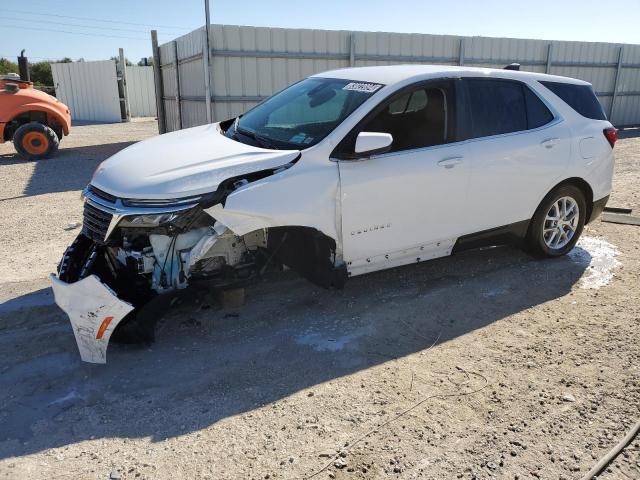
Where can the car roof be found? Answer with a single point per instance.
(391, 74)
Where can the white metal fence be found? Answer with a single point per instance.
(89, 89)
(142, 96)
(94, 92)
(250, 63)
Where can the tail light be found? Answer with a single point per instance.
(611, 134)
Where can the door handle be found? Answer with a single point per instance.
(450, 162)
(549, 142)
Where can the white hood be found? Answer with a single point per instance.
(183, 163)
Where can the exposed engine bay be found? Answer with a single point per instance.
(159, 253)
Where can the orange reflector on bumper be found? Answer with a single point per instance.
(103, 326)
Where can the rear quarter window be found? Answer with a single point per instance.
(581, 98)
(537, 112)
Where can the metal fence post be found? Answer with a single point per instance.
(206, 60)
(352, 49)
(549, 53)
(461, 52)
(157, 75)
(615, 84)
(176, 65)
(125, 88)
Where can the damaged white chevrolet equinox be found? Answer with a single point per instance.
(340, 174)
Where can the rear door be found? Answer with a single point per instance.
(405, 205)
(517, 150)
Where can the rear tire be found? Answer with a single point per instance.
(35, 141)
(558, 222)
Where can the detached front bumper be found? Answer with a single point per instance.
(94, 311)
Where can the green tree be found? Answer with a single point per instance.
(41, 73)
(126, 61)
(7, 66)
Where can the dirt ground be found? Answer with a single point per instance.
(488, 364)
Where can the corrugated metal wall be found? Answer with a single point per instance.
(141, 92)
(251, 63)
(89, 89)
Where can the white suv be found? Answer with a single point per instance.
(343, 173)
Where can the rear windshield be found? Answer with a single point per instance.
(302, 114)
(579, 97)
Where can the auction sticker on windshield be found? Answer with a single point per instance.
(362, 87)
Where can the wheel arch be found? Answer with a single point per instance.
(309, 252)
(577, 182)
(585, 188)
(34, 112)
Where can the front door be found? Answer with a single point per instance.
(406, 205)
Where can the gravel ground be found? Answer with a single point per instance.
(489, 364)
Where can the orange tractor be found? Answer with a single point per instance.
(34, 120)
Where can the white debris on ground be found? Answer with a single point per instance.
(600, 256)
(332, 343)
(495, 291)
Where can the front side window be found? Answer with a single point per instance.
(422, 117)
(302, 114)
(504, 106)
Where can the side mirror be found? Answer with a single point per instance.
(373, 142)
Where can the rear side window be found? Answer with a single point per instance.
(504, 106)
(537, 112)
(497, 107)
(581, 98)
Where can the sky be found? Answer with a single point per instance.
(95, 29)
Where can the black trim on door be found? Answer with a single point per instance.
(511, 234)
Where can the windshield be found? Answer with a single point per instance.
(302, 114)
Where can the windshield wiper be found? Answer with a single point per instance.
(258, 138)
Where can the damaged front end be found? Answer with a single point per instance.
(131, 252)
(138, 249)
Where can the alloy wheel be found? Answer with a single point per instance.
(561, 223)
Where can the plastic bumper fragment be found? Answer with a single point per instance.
(94, 311)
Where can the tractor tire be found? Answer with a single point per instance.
(35, 141)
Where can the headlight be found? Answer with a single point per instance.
(151, 220)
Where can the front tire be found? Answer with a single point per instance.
(35, 141)
(558, 222)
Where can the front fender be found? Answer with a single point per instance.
(303, 196)
(61, 118)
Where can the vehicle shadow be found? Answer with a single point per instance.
(70, 169)
(38, 298)
(208, 364)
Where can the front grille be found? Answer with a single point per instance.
(100, 208)
(96, 223)
(102, 194)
